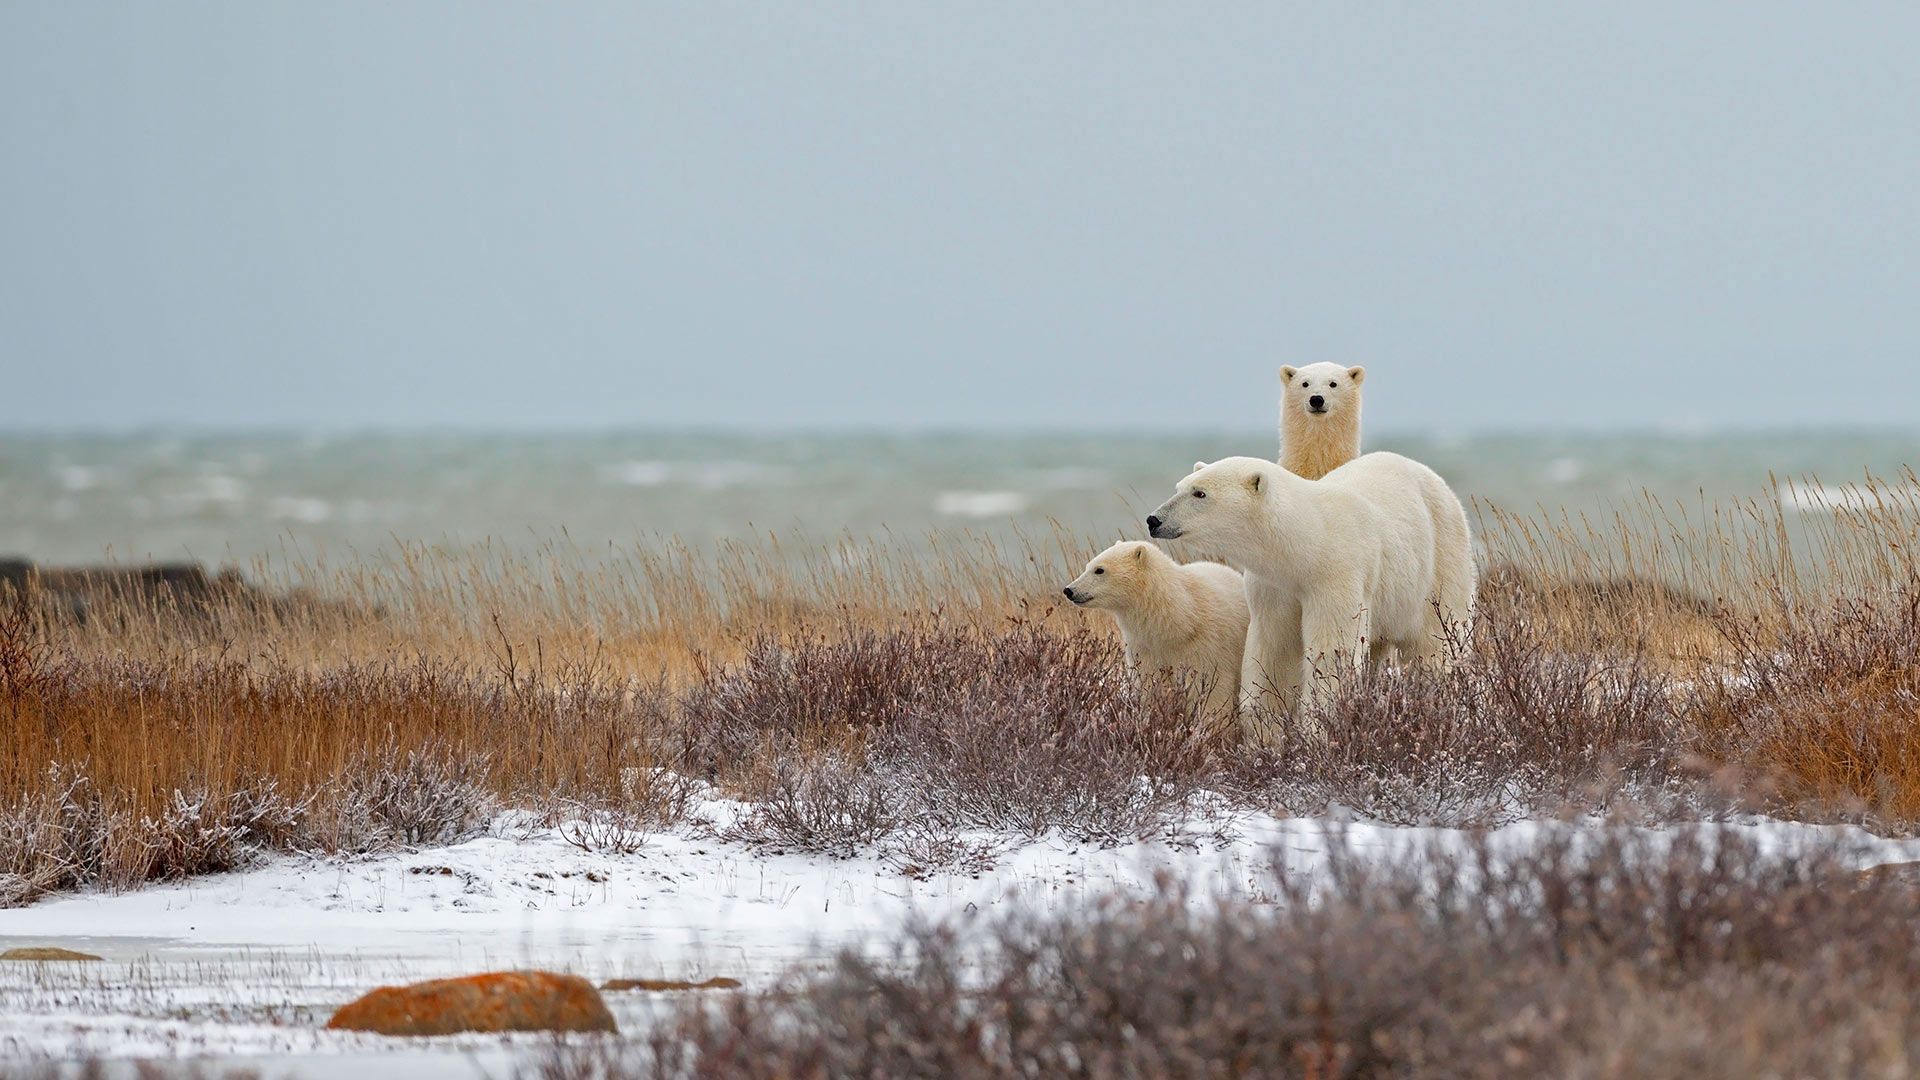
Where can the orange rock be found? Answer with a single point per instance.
(500, 1001)
(716, 983)
(1896, 873)
(45, 954)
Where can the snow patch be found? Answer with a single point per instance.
(252, 963)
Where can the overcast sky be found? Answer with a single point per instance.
(807, 215)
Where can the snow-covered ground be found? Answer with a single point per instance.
(247, 966)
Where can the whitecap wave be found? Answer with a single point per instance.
(220, 488)
(1816, 498)
(638, 473)
(77, 477)
(1565, 470)
(979, 504)
(301, 508)
(705, 475)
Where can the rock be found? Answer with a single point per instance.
(45, 954)
(1893, 873)
(180, 588)
(716, 983)
(498, 1001)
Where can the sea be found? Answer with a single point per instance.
(259, 499)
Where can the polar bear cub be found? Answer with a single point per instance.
(1374, 558)
(1191, 616)
(1319, 418)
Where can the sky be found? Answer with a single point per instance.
(1063, 215)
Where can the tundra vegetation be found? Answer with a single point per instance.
(1589, 955)
(936, 700)
(1671, 663)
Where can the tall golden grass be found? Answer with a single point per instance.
(1653, 575)
(654, 611)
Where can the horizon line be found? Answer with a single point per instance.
(197, 430)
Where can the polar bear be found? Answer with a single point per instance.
(1376, 557)
(1319, 418)
(1191, 616)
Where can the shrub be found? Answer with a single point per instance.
(426, 795)
(1581, 956)
(1511, 730)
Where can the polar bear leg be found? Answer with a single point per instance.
(1378, 653)
(1288, 672)
(1336, 628)
(1270, 668)
(1252, 663)
(1449, 617)
(1430, 647)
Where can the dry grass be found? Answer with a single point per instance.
(1664, 579)
(1679, 660)
(658, 611)
(117, 760)
(1827, 711)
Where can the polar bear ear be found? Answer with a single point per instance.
(1140, 552)
(1287, 372)
(1198, 465)
(1254, 481)
(1357, 374)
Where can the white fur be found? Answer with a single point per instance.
(1339, 570)
(1172, 616)
(1313, 444)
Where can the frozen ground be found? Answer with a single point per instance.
(247, 966)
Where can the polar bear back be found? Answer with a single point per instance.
(1423, 535)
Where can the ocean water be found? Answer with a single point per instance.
(341, 498)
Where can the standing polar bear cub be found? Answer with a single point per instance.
(1172, 616)
(1375, 557)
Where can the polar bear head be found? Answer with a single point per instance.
(1321, 389)
(1117, 577)
(1215, 503)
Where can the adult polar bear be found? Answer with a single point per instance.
(1373, 557)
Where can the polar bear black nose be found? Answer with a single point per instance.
(1067, 592)
(1317, 401)
(1153, 522)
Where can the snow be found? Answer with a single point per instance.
(247, 966)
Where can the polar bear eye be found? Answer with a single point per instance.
(1099, 569)
(1199, 494)
(1331, 385)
